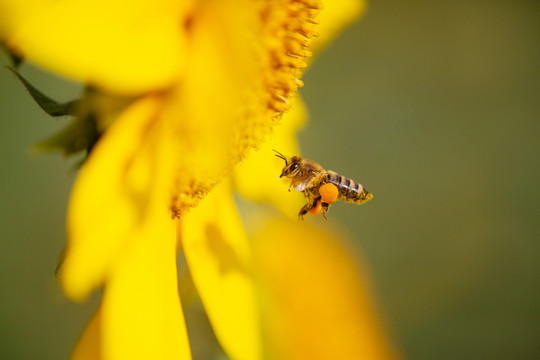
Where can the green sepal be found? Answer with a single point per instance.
(80, 135)
(14, 59)
(48, 105)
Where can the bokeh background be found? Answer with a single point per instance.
(432, 105)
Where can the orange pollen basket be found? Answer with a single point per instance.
(329, 193)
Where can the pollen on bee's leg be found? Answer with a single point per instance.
(329, 193)
(317, 209)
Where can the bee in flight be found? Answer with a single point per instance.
(320, 187)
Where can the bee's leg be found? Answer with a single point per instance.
(325, 208)
(310, 205)
(304, 210)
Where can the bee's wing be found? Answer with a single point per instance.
(302, 181)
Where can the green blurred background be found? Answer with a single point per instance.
(434, 106)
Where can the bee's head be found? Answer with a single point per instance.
(292, 165)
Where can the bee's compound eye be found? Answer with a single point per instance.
(294, 166)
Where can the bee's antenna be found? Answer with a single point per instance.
(281, 156)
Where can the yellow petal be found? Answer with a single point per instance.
(121, 46)
(335, 15)
(122, 182)
(219, 259)
(257, 178)
(89, 345)
(120, 229)
(141, 313)
(318, 300)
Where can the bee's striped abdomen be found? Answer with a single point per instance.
(349, 190)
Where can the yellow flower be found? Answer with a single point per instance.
(318, 303)
(179, 93)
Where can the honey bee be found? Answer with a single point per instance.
(308, 177)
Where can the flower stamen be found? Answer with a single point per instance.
(294, 33)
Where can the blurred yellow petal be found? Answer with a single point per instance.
(133, 245)
(336, 15)
(318, 301)
(257, 178)
(89, 346)
(142, 316)
(123, 181)
(120, 46)
(217, 252)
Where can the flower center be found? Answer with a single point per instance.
(290, 35)
(245, 66)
